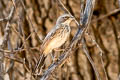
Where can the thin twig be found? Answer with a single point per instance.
(10, 69)
(91, 61)
(119, 3)
(6, 35)
(60, 4)
(13, 1)
(107, 15)
(119, 77)
(81, 10)
(30, 21)
(15, 59)
(17, 33)
(85, 49)
(19, 50)
(9, 16)
(101, 54)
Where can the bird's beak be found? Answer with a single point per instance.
(72, 18)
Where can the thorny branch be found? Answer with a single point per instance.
(85, 22)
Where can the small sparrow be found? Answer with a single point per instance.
(56, 37)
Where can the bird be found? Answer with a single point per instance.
(57, 36)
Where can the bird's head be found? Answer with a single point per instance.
(65, 19)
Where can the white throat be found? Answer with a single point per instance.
(67, 22)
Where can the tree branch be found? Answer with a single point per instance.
(6, 35)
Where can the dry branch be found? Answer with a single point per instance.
(107, 15)
(34, 30)
(9, 16)
(6, 35)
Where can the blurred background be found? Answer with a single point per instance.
(31, 22)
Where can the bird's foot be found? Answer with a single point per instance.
(54, 57)
(66, 61)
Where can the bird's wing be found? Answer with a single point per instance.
(49, 34)
(52, 34)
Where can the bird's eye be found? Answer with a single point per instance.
(66, 18)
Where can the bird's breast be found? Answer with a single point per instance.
(59, 39)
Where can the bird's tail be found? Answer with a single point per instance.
(40, 62)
